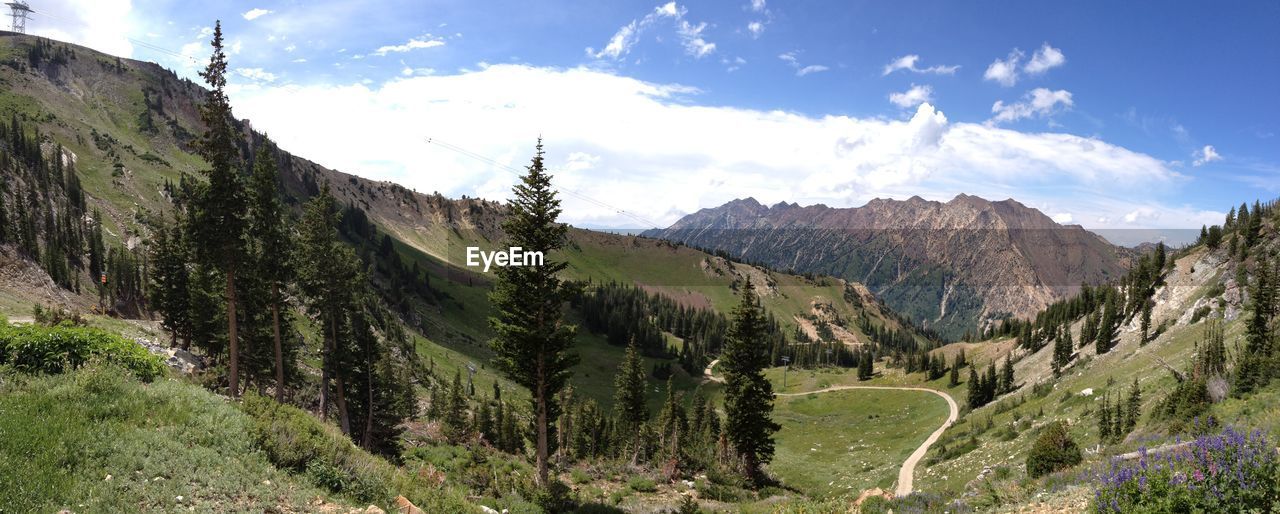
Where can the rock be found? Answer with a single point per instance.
(404, 506)
(373, 509)
(488, 510)
(176, 358)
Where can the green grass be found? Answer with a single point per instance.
(848, 441)
(61, 436)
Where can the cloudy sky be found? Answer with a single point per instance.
(1109, 115)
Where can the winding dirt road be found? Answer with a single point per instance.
(906, 475)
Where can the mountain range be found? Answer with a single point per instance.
(955, 267)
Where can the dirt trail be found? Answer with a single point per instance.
(906, 475)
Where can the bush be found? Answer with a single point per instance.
(1054, 450)
(642, 485)
(294, 440)
(38, 349)
(1226, 472)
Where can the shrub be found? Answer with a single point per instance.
(1226, 472)
(642, 485)
(38, 349)
(294, 440)
(1054, 450)
(579, 476)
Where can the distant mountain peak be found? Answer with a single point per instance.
(1006, 258)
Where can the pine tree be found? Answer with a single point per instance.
(1146, 322)
(1104, 420)
(1133, 407)
(866, 365)
(975, 389)
(532, 340)
(673, 424)
(748, 396)
(326, 268)
(269, 240)
(1107, 326)
(629, 397)
(222, 205)
(455, 412)
(955, 372)
(1006, 375)
(170, 279)
(1062, 350)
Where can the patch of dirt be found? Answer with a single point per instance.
(682, 297)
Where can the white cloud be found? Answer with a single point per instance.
(755, 28)
(675, 155)
(1063, 218)
(801, 70)
(690, 34)
(1045, 58)
(256, 74)
(1205, 155)
(694, 44)
(812, 68)
(620, 44)
(256, 13)
(757, 5)
(1004, 71)
(102, 25)
(912, 97)
(908, 62)
(426, 41)
(1039, 102)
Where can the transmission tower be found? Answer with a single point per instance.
(20, 12)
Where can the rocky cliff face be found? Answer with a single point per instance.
(952, 266)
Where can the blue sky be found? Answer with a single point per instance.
(1107, 114)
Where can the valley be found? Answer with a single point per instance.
(194, 318)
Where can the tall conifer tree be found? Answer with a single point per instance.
(532, 339)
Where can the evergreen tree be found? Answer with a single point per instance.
(170, 279)
(1006, 375)
(955, 372)
(1133, 408)
(1256, 365)
(866, 365)
(1146, 322)
(456, 428)
(1107, 326)
(220, 235)
(975, 389)
(629, 397)
(326, 268)
(673, 424)
(269, 240)
(1062, 350)
(748, 396)
(532, 339)
(1104, 420)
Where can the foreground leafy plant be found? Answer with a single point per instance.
(1227, 472)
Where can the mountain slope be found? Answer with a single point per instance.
(950, 266)
(127, 128)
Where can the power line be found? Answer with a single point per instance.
(581, 196)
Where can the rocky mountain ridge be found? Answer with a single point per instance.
(953, 266)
